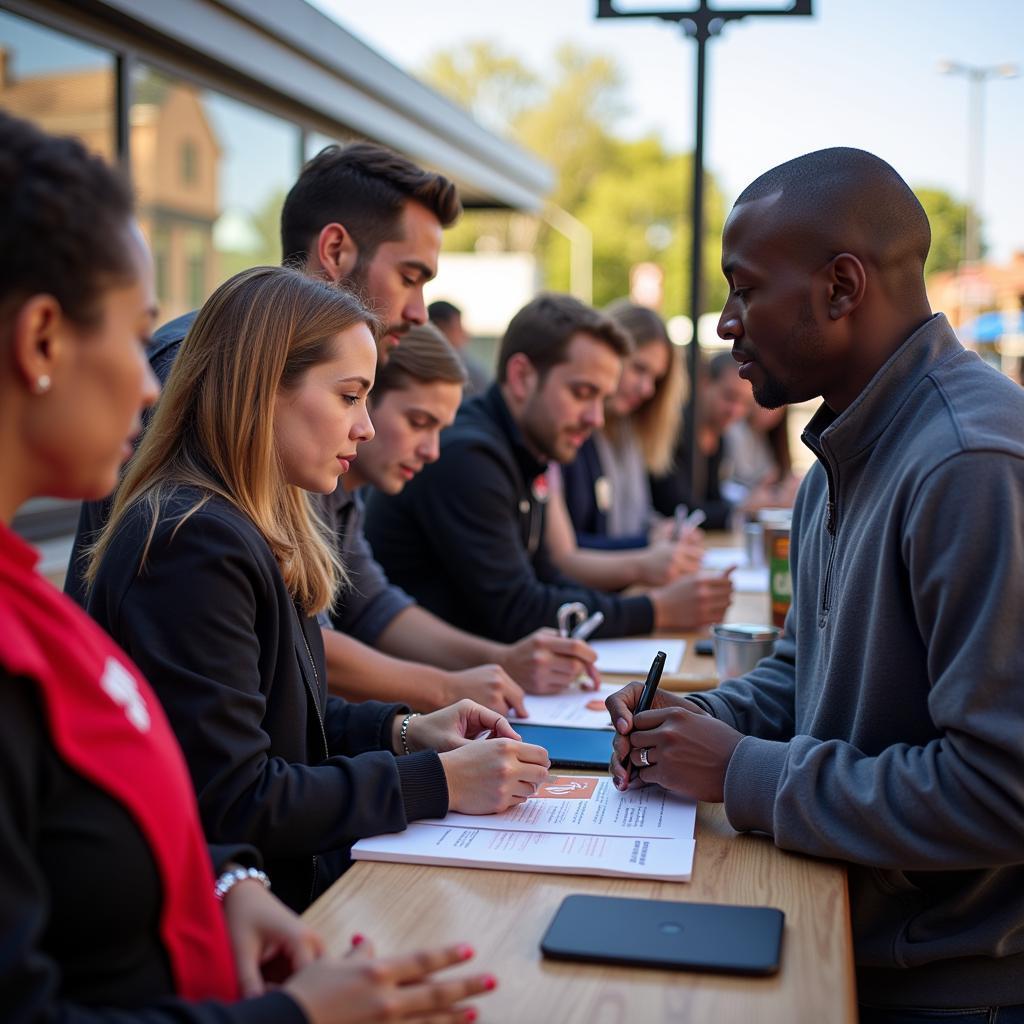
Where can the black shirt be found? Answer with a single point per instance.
(466, 537)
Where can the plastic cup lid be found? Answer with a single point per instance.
(745, 631)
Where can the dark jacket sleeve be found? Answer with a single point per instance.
(496, 574)
(205, 623)
(30, 978)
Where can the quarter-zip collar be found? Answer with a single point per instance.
(860, 425)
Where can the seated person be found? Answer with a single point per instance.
(607, 491)
(885, 730)
(447, 318)
(722, 399)
(418, 658)
(108, 909)
(602, 499)
(756, 459)
(213, 566)
(466, 537)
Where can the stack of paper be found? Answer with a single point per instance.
(633, 657)
(746, 579)
(577, 825)
(575, 707)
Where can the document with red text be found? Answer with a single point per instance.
(576, 824)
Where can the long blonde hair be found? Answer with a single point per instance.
(656, 423)
(213, 427)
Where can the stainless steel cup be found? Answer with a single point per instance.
(739, 646)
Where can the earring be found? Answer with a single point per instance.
(42, 383)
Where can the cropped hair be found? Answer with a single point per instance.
(65, 219)
(213, 427)
(543, 328)
(424, 356)
(364, 187)
(655, 425)
(442, 311)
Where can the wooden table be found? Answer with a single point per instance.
(504, 914)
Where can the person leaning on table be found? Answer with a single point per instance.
(213, 566)
(886, 729)
(107, 901)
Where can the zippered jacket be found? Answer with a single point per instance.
(887, 730)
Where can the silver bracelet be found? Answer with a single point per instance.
(403, 733)
(229, 879)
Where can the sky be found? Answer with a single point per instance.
(857, 73)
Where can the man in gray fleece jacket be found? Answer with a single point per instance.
(887, 729)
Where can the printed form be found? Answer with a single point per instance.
(576, 824)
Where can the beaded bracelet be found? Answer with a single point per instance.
(229, 879)
(403, 733)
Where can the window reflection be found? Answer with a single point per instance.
(211, 174)
(64, 86)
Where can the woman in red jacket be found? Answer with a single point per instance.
(107, 895)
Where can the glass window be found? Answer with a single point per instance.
(65, 86)
(211, 174)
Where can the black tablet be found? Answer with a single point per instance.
(568, 747)
(662, 933)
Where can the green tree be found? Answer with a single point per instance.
(633, 195)
(948, 218)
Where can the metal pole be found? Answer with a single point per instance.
(972, 235)
(698, 463)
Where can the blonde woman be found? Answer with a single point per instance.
(214, 566)
(600, 511)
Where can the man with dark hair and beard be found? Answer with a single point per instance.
(372, 220)
(885, 730)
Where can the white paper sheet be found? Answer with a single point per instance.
(721, 558)
(576, 707)
(634, 656)
(575, 825)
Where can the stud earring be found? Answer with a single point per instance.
(42, 383)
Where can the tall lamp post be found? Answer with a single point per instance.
(977, 76)
(700, 23)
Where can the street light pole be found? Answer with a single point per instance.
(977, 76)
(700, 22)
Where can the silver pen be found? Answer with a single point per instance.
(586, 628)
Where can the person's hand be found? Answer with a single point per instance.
(544, 662)
(621, 706)
(268, 940)
(662, 528)
(360, 988)
(687, 752)
(488, 685)
(454, 726)
(692, 602)
(667, 560)
(490, 776)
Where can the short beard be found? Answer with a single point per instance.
(805, 340)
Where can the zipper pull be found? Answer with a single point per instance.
(830, 517)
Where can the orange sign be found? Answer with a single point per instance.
(567, 787)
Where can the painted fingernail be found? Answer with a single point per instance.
(490, 983)
(358, 940)
(466, 952)
(470, 1016)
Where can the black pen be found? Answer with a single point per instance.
(646, 700)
